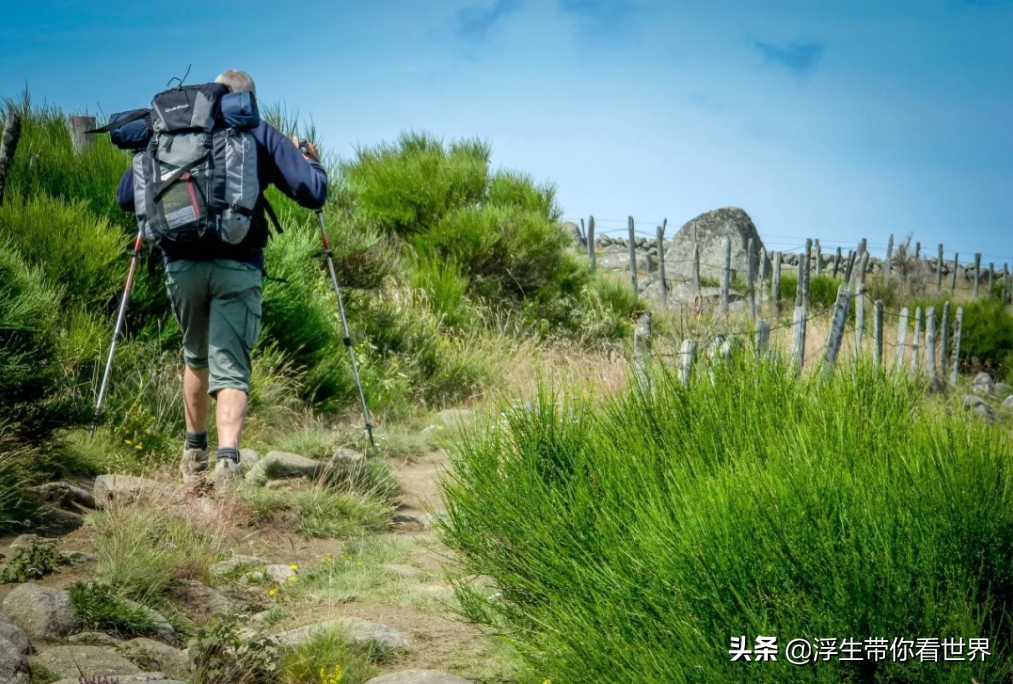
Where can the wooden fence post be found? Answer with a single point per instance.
(837, 263)
(837, 328)
(633, 257)
(726, 273)
(687, 357)
(877, 333)
(918, 251)
(943, 327)
(939, 271)
(696, 267)
(819, 260)
(991, 273)
(775, 285)
(762, 336)
(750, 278)
(802, 291)
(930, 346)
(642, 345)
(78, 126)
(798, 339)
(916, 340)
(901, 338)
(661, 264)
(762, 278)
(8, 146)
(863, 246)
(888, 262)
(590, 243)
(859, 290)
(977, 273)
(958, 322)
(849, 269)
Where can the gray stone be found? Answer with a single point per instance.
(248, 458)
(14, 634)
(279, 572)
(202, 598)
(141, 678)
(978, 407)
(128, 489)
(77, 557)
(13, 664)
(1008, 402)
(358, 631)
(164, 631)
(983, 384)
(154, 655)
(41, 612)
(281, 465)
(1001, 389)
(65, 495)
(346, 456)
(711, 228)
(230, 565)
(87, 661)
(419, 677)
(93, 639)
(619, 260)
(572, 230)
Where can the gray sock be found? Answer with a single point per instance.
(197, 440)
(229, 452)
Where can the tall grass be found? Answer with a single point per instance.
(632, 537)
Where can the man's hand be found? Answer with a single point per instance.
(311, 149)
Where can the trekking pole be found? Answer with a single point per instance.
(134, 259)
(344, 323)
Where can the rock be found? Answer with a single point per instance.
(620, 261)
(281, 465)
(141, 678)
(347, 456)
(65, 495)
(1001, 389)
(406, 571)
(13, 664)
(164, 631)
(128, 489)
(711, 228)
(978, 407)
(87, 661)
(59, 521)
(573, 230)
(41, 612)
(94, 639)
(279, 573)
(248, 458)
(153, 655)
(1008, 402)
(14, 634)
(358, 631)
(253, 578)
(419, 677)
(202, 598)
(230, 565)
(983, 384)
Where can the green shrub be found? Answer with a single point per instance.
(327, 658)
(17, 509)
(66, 242)
(447, 289)
(511, 189)
(727, 518)
(986, 338)
(100, 608)
(221, 655)
(32, 560)
(822, 289)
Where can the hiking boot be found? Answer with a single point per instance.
(226, 470)
(194, 464)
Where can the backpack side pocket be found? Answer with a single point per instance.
(241, 185)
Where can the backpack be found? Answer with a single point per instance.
(195, 163)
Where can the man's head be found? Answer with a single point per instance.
(237, 81)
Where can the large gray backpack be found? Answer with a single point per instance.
(195, 167)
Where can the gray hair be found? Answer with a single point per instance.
(237, 81)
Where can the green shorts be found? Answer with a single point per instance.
(217, 305)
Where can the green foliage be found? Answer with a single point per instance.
(100, 608)
(703, 514)
(75, 250)
(320, 511)
(33, 560)
(17, 509)
(326, 658)
(222, 656)
(822, 289)
(510, 189)
(986, 338)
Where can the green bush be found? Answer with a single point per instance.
(631, 549)
(101, 609)
(986, 338)
(510, 189)
(822, 289)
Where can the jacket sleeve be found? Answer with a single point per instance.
(125, 191)
(303, 180)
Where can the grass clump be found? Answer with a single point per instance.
(319, 511)
(326, 658)
(702, 514)
(100, 608)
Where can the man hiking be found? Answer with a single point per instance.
(215, 287)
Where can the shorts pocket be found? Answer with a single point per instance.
(253, 316)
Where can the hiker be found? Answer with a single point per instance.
(215, 287)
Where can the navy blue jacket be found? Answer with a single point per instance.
(279, 163)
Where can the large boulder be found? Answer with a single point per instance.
(154, 655)
(14, 634)
(86, 661)
(13, 664)
(980, 408)
(983, 384)
(280, 465)
(419, 677)
(41, 612)
(358, 631)
(710, 229)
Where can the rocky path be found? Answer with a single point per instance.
(389, 593)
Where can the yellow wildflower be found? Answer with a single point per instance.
(127, 441)
(138, 446)
(293, 567)
(291, 578)
(328, 558)
(272, 591)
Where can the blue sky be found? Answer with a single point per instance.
(834, 119)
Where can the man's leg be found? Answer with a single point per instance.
(230, 414)
(196, 401)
